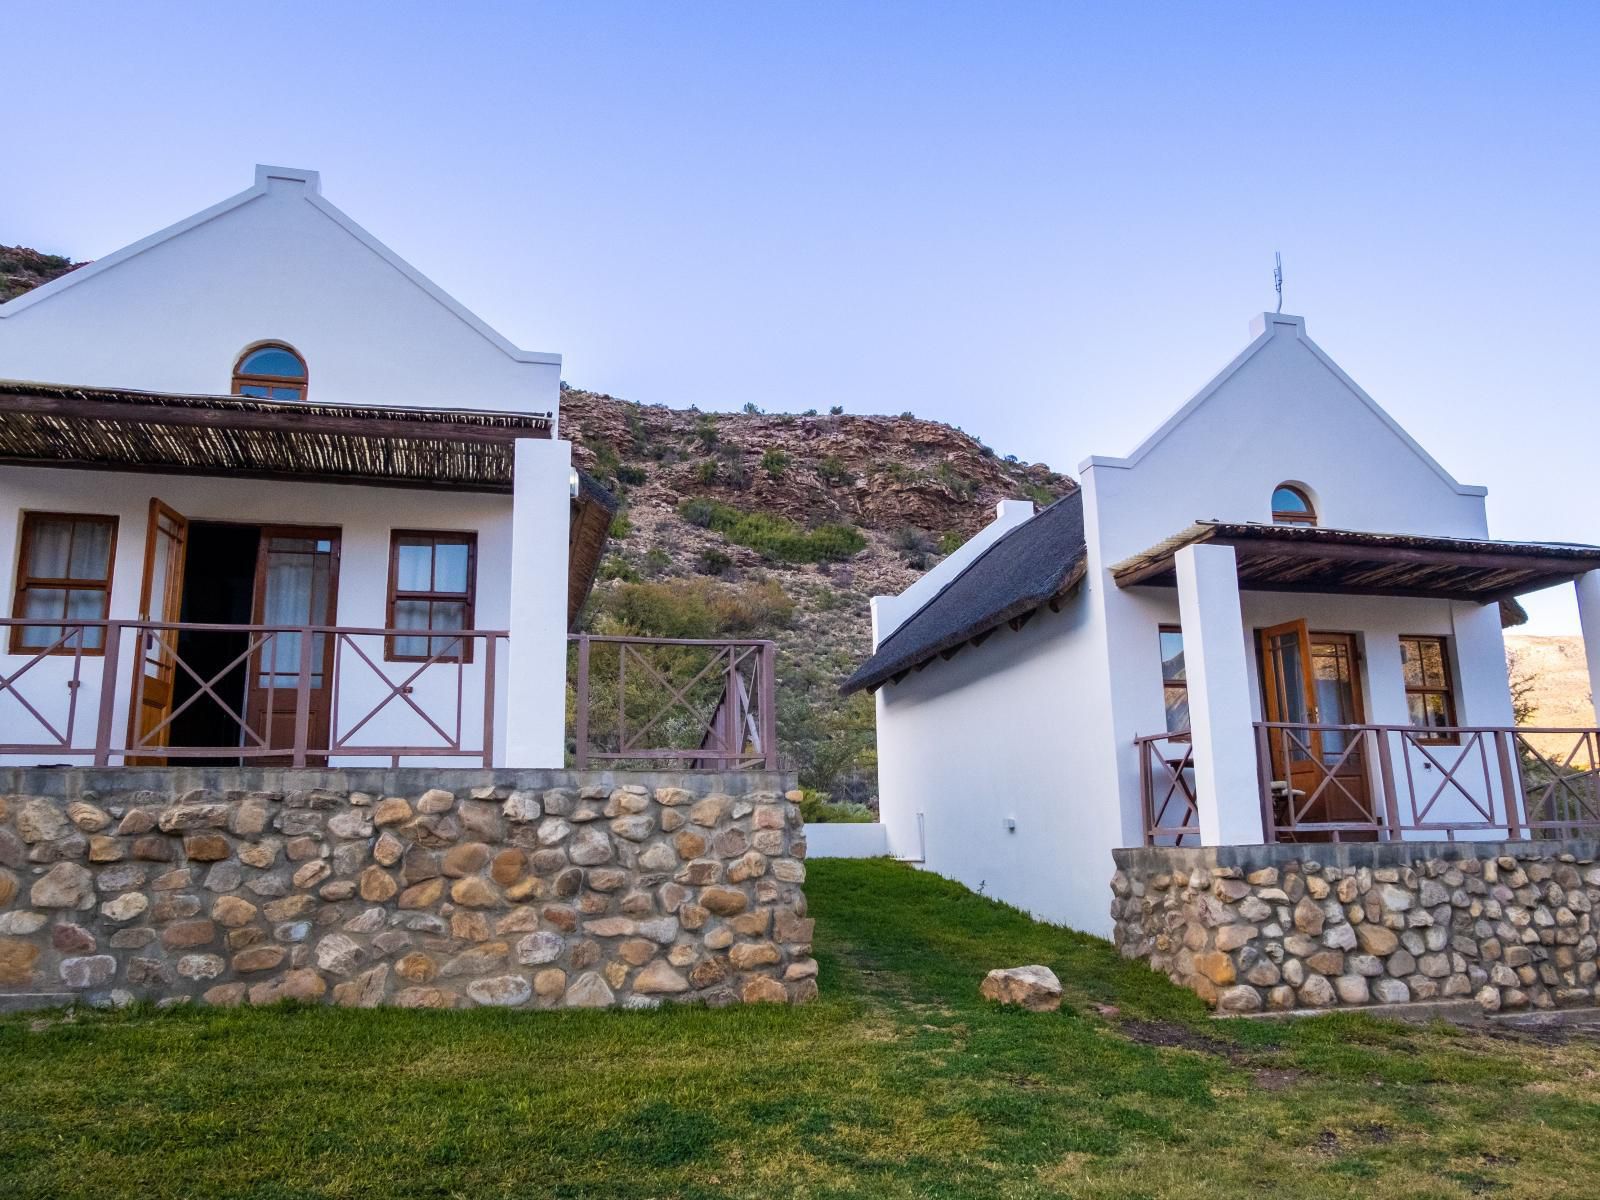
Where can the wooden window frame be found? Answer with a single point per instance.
(1283, 516)
(1448, 691)
(242, 379)
(24, 581)
(469, 597)
(1173, 683)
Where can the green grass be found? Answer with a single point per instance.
(898, 1082)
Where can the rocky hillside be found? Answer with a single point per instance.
(784, 525)
(1550, 684)
(22, 269)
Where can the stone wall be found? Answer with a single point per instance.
(416, 888)
(1316, 926)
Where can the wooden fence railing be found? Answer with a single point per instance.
(1383, 782)
(701, 705)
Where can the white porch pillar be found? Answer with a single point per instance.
(1588, 588)
(535, 664)
(1226, 785)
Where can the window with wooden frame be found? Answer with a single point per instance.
(270, 371)
(1292, 506)
(1430, 694)
(1174, 680)
(64, 573)
(432, 589)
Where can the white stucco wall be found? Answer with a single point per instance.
(277, 262)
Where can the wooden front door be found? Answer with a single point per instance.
(156, 650)
(1319, 775)
(297, 576)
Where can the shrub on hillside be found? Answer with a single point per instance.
(631, 475)
(774, 536)
(695, 608)
(775, 462)
(833, 470)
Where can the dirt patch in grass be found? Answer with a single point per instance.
(1277, 1079)
(1170, 1033)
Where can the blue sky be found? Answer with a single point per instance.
(1048, 224)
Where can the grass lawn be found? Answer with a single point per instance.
(899, 1082)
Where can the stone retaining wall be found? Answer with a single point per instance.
(416, 888)
(1313, 926)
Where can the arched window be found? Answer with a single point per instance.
(271, 371)
(1292, 506)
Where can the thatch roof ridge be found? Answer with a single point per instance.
(1035, 564)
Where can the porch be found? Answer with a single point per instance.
(1365, 783)
(153, 693)
(1327, 685)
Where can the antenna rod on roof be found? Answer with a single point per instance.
(1277, 277)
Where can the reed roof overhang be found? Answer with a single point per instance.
(1306, 558)
(119, 429)
(391, 446)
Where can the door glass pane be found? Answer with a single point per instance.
(1332, 676)
(1290, 669)
(296, 592)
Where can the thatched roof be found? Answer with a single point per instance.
(116, 428)
(1310, 558)
(1036, 564)
(119, 429)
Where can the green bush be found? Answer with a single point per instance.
(832, 470)
(705, 428)
(606, 461)
(695, 608)
(752, 410)
(817, 808)
(836, 411)
(774, 536)
(621, 527)
(630, 475)
(705, 471)
(775, 462)
(951, 542)
(959, 485)
(713, 562)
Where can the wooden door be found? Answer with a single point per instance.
(1336, 678)
(297, 576)
(156, 650)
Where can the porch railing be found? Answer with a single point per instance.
(1166, 784)
(282, 693)
(1383, 782)
(696, 704)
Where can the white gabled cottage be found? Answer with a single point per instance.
(268, 494)
(1278, 619)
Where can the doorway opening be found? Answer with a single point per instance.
(219, 585)
(228, 687)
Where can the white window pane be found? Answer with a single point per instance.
(91, 550)
(50, 547)
(450, 567)
(413, 567)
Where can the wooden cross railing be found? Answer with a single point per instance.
(1380, 782)
(698, 704)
